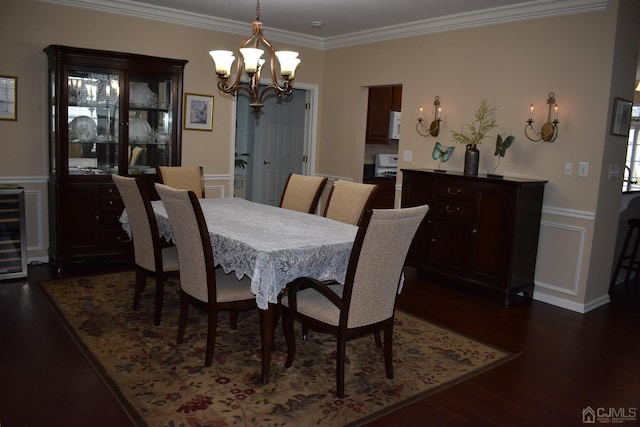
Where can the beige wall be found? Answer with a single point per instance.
(28, 26)
(510, 65)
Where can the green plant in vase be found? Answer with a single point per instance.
(472, 134)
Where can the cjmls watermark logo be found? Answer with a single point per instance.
(608, 415)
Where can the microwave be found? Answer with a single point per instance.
(394, 125)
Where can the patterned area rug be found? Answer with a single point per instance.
(168, 385)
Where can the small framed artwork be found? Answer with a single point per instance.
(621, 118)
(198, 111)
(8, 98)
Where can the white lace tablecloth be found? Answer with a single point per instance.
(271, 245)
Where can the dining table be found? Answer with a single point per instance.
(272, 246)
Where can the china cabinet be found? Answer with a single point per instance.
(479, 231)
(109, 113)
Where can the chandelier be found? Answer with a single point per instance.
(251, 60)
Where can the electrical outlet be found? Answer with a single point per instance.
(583, 169)
(614, 171)
(568, 169)
(407, 156)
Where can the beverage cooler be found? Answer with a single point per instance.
(13, 242)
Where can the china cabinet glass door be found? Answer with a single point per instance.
(93, 123)
(150, 125)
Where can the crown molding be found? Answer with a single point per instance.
(500, 15)
(514, 13)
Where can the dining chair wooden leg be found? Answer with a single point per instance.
(340, 364)
(289, 336)
(184, 314)
(141, 280)
(376, 336)
(212, 329)
(159, 297)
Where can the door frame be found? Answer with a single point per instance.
(310, 133)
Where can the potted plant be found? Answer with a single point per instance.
(241, 163)
(473, 133)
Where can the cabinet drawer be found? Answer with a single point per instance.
(454, 209)
(109, 190)
(112, 202)
(452, 190)
(115, 241)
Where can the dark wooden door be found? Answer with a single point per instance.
(494, 225)
(80, 204)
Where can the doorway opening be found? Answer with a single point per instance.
(271, 147)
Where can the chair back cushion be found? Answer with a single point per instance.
(141, 224)
(348, 201)
(301, 193)
(372, 286)
(185, 217)
(183, 177)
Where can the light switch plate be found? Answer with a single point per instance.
(407, 156)
(568, 169)
(614, 171)
(583, 169)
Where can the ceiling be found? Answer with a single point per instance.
(344, 22)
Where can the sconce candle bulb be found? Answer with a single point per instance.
(549, 130)
(434, 128)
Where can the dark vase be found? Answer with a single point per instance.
(471, 160)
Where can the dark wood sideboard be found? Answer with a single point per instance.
(480, 231)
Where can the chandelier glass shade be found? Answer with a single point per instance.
(250, 60)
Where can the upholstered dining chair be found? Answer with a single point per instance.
(348, 201)
(183, 177)
(151, 256)
(365, 303)
(201, 284)
(302, 193)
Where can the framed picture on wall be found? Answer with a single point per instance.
(621, 118)
(8, 99)
(198, 111)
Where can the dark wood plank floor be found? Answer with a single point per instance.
(567, 361)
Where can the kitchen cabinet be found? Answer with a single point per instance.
(381, 101)
(109, 113)
(479, 231)
(386, 195)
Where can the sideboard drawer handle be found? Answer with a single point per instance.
(452, 210)
(454, 192)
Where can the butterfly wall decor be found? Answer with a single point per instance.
(441, 153)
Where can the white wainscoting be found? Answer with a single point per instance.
(560, 259)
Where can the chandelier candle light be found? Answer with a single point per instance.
(252, 62)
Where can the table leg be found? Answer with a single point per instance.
(266, 334)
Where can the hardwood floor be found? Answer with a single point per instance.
(567, 361)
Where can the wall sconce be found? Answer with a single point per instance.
(434, 128)
(549, 131)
